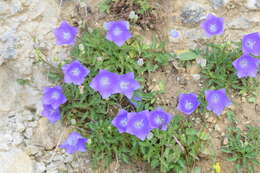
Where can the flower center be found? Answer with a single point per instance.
(124, 85)
(73, 141)
(123, 122)
(188, 105)
(215, 98)
(243, 63)
(104, 81)
(75, 71)
(117, 31)
(139, 124)
(66, 35)
(213, 28)
(159, 120)
(55, 95)
(250, 44)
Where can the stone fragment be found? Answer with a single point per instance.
(239, 23)
(193, 13)
(218, 3)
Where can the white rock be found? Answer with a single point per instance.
(15, 161)
(17, 138)
(20, 127)
(253, 4)
(39, 167)
(28, 132)
(239, 23)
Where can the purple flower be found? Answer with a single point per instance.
(117, 31)
(50, 113)
(213, 25)
(65, 34)
(188, 103)
(120, 121)
(53, 96)
(75, 72)
(174, 33)
(134, 101)
(74, 142)
(246, 66)
(127, 84)
(105, 83)
(138, 124)
(217, 100)
(251, 43)
(159, 119)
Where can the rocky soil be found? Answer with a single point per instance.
(28, 143)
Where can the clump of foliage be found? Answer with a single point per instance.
(172, 150)
(243, 148)
(219, 72)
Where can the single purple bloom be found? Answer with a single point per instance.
(251, 43)
(217, 100)
(246, 66)
(138, 124)
(159, 119)
(65, 34)
(127, 84)
(174, 33)
(188, 103)
(213, 25)
(50, 113)
(120, 121)
(75, 72)
(74, 142)
(105, 83)
(53, 96)
(117, 31)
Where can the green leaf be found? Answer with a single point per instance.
(187, 56)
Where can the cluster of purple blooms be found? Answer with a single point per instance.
(141, 123)
(107, 83)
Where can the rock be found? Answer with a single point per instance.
(217, 128)
(205, 152)
(196, 76)
(39, 167)
(28, 132)
(32, 150)
(218, 3)
(17, 138)
(211, 119)
(253, 4)
(15, 161)
(225, 141)
(193, 13)
(239, 23)
(194, 69)
(49, 135)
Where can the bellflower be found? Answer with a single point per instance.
(246, 66)
(188, 103)
(74, 142)
(217, 100)
(75, 72)
(213, 25)
(50, 113)
(138, 124)
(53, 96)
(120, 121)
(65, 34)
(159, 119)
(105, 83)
(174, 33)
(251, 43)
(117, 32)
(127, 84)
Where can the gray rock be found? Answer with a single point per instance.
(39, 167)
(218, 3)
(15, 161)
(253, 4)
(239, 23)
(193, 13)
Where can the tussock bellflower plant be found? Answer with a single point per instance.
(213, 25)
(117, 32)
(50, 113)
(65, 34)
(105, 83)
(217, 100)
(74, 142)
(246, 66)
(127, 84)
(138, 124)
(188, 103)
(120, 121)
(159, 119)
(75, 72)
(53, 96)
(251, 43)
